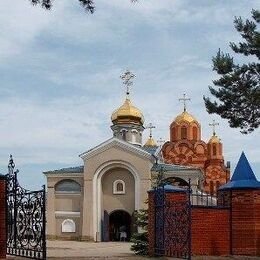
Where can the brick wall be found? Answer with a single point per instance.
(2, 217)
(246, 222)
(210, 229)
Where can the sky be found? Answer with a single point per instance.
(60, 75)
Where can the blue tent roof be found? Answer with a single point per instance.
(243, 176)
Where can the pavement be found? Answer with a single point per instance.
(107, 250)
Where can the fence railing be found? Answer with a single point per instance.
(200, 198)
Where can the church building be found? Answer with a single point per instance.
(96, 201)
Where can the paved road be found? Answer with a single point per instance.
(69, 250)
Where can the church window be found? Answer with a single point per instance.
(211, 187)
(68, 226)
(214, 150)
(119, 187)
(184, 132)
(134, 135)
(123, 133)
(69, 186)
(195, 132)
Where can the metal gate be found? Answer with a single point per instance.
(172, 226)
(26, 220)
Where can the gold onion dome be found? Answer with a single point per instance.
(214, 139)
(150, 142)
(127, 113)
(185, 116)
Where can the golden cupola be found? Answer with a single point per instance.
(185, 126)
(150, 142)
(128, 120)
(127, 114)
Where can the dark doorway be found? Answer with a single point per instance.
(119, 226)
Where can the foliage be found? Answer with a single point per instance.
(140, 239)
(88, 5)
(238, 89)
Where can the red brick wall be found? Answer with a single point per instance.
(246, 222)
(2, 218)
(210, 231)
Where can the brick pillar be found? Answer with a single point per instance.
(2, 216)
(245, 215)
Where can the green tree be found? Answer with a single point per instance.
(140, 239)
(88, 5)
(237, 90)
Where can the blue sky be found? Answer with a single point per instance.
(60, 75)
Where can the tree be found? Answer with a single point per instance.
(88, 5)
(238, 87)
(140, 239)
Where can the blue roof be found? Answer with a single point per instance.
(171, 188)
(150, 149)
(243, 176)
(77, 169)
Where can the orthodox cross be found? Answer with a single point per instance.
(127, 78)
(184, 99)
(150, 126)
(160, 141)
(213, 124)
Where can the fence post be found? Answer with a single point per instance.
(3, 213)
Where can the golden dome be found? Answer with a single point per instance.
(150, 142)
(185, 116)
(214, 140)
(127, 113)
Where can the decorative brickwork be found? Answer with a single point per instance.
(2, 217)
(210, 229)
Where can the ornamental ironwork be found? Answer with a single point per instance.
(172, 225)
(26, 221)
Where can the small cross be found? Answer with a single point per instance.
(184, 99)
(127, 81)
(150, 126)
(213, 124)
(160, 141)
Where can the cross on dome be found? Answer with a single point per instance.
(184, 99)
(127, 78)
(150, 126)
(160, 141)
(214, 124)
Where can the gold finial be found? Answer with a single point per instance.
(160, 142)
(127, 81)
(214, 124)
(150, 126)
(184, 99)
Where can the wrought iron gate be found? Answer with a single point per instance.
(25, 218)
(172, 226)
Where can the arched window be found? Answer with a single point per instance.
(134, 135)
(68, 226)
(183, 132)
(214, 150)
(123, 133)
(211, 187)
(119, 187)
(69, 186)
(195, 132)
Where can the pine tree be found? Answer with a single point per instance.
(238, 88)
(140, 239)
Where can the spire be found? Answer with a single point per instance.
(214, 124)
(150, 142)
(184, 99)
(243, 176)
(243, 170)
(127, 81)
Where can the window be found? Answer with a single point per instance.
(195, 132)
(123, 133)
(68, 226)
(211, 187)
(119, 187)
(217, 185)
(134, 135)
(183, 132)
(67, 186)
(214, 150)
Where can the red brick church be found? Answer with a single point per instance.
(187, 148)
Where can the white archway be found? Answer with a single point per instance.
(97, 211)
